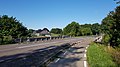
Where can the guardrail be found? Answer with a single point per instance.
(21, 40)
(98, 39)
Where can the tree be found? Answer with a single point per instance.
(115, 40)
(117, 1)
(111, 24)
(46, 29)
(72, 29)
(96, 29)
(85, 31)
(30, 31)
(11, 28)
(56, 31)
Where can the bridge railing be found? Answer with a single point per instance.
(21, 40)
(98, 39)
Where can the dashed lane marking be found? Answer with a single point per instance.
(57, 60)
(85, 64)
(85, 51)
(84, 55)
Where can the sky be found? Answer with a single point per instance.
(39, 14)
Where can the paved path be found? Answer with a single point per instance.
(74, 57)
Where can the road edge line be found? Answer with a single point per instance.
(85, 62)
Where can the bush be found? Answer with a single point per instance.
(7, 40)
(98, 57)
(106, 39)
(0, 40)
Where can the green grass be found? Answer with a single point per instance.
(98, 57)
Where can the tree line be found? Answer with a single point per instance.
(11, 28)
(75, 29)
(109, 27)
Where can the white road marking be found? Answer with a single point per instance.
(5, 59)
(85, 51)
(2, 60)
(84, 55)
(57, 60)
(85, 64)
(65, 53)
(87, 46)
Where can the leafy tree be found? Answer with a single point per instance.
(85, 31)
(46, 29)
(96, 29)
(11, 27)
(72, 29)
(117, 1)
(56, 31)
(86, 25)
(111, 24)
(30, 31)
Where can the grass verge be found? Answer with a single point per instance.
(115, 53)
(97, 56)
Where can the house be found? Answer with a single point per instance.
(44, 32)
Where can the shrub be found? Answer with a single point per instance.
(0, 40)
(7, 40)
(106, 39)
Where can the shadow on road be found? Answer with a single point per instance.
(26, 59)
(77, 48)
(66, 62)
(73, 50)
(69, 59)
(24, 54)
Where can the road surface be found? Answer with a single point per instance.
(15, 51)
(73, 57)
(6, 50)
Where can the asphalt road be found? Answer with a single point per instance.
(19, 50)
(6, 50)
(73, 57)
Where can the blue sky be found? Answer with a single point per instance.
(38, 14)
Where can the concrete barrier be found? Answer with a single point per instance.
(98, 39)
